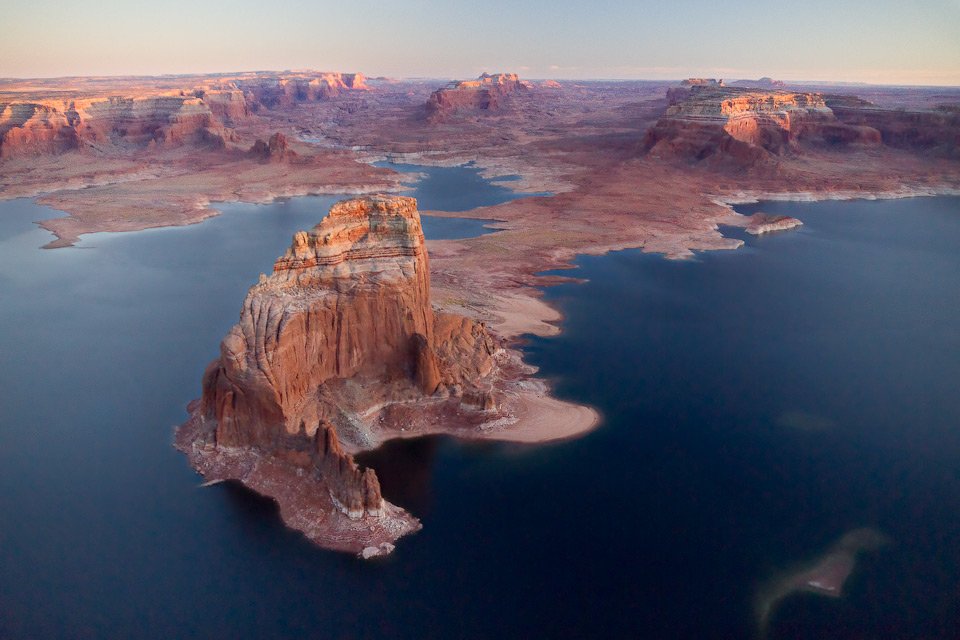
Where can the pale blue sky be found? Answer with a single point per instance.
(877, 41)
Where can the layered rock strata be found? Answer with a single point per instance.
(485, 94)
(288, 89)
(56, 125)
(336, 348)
(747, 126)
(205, 113)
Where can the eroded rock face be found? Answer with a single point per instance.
(341, 329)
(55, 126)
(746, 127)
(485, 94)
(203, 113)
(349, 298)
(284, 90)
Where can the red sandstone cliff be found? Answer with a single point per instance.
(341, 329)
(58, 125)
(486, 93)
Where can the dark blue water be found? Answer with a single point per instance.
(660, 524)
(459, 188)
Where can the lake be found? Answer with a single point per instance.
(758, 404)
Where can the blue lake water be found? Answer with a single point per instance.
(458, 188)
(758, 403)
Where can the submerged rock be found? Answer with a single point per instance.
(825, 575)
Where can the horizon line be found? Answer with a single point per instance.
(190, 74)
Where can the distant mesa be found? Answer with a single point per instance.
(335, 351)
(760, 83)
(934, 132)
(701, 82)
(551, 84)
(736, 127)
(290, 88)
(488, 93)
(203, 114)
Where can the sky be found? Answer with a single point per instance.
(876, 41)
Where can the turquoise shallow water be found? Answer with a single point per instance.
(758, 403)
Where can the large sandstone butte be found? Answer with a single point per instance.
(335, 351)
(746, 127)
(485, 94)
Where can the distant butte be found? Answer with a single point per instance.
(338, 350)
(485, 94)
(737, 127)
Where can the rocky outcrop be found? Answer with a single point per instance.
(341, 330)
(275, 150)
(761, 223)
(746, 127)
(488, 93)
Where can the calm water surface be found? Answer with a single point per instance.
(759, 404)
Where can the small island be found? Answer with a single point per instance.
(339, 350)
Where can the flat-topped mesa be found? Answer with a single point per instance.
(107, 116)
(766, 82)
(339, 333)
(746, 127)
(63, 124)
(483, 95)
(287, 89)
